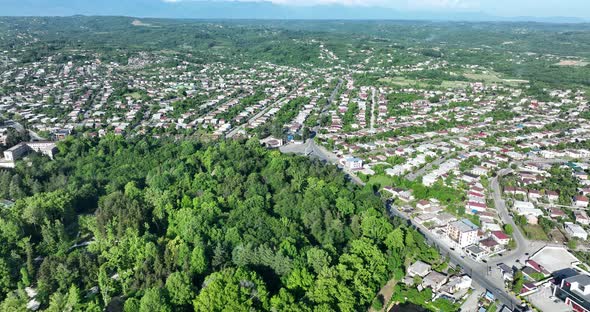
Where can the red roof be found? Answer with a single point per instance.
(535, 266)
(476, 204)
(500, 235)
(476, 194)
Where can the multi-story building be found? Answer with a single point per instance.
(575, 291)
(464, 232)
(20, 150)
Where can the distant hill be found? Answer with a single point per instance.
(243, 10)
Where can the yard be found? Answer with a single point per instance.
(534, 232)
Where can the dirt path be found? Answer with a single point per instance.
(386, 291)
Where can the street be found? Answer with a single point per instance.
(414, 175)
(478, 271)
(311, 149)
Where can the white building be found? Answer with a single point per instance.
(463, 232)
(353, 163)
(575, 230)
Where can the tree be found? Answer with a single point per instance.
(508, 229)
(179, 288)
(572, 244)
(232, 289)
(518, 282)
(153, 300)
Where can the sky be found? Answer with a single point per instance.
(353, 9)
(507, 8)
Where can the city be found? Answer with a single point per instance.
(339, 170)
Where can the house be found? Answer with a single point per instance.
(423, 204)
(434, 280)
(456, 288)
(476, 252)
(271, 142)
(555, 213)
(353, 163)
(463, 232)
(534, 195)
(575, 230)
(500, 237)
(581, 201)
(537, 267)
(528, 210)
(490, 245)
(507, 272)
(419, 268)
(581, 217)
(488, 226)
(473, 207)
(575, 292)
(552, 196)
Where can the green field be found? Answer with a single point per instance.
(405, 82)
(134, 95)
(492, 78)
(534, 232)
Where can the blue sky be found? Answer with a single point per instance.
(573, 8)
(313, 9)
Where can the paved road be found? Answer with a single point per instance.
(326, 107)
(235, 130)
(20, 128)
(524, 246)
(478, 271)
(414, 175)
(373, 102)
(311, 149)
(522, 243)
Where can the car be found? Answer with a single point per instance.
(484, 261)
(526, 253)
(453, 248)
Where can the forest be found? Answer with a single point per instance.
(141, 224)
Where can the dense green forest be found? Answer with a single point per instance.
(156, 225)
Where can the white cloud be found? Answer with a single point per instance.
(407, 4)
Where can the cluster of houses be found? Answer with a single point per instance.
(88, 94)
(533, 202)
(453, 288)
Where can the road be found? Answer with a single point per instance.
(522, 243)
(311, 149)
(373, 102)
(477, 271)
(20, 128)
(420, 172)
(328, 103)
(235, 130)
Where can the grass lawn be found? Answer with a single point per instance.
(380, 179)
(534, 232)
(400, 81)
(404, 82)
(491, 77)
(134, 95)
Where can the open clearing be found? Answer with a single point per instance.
(491, 77)
(572, 63)
(141, 24)
(404, 82)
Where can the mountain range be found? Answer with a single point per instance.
(244, 10)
